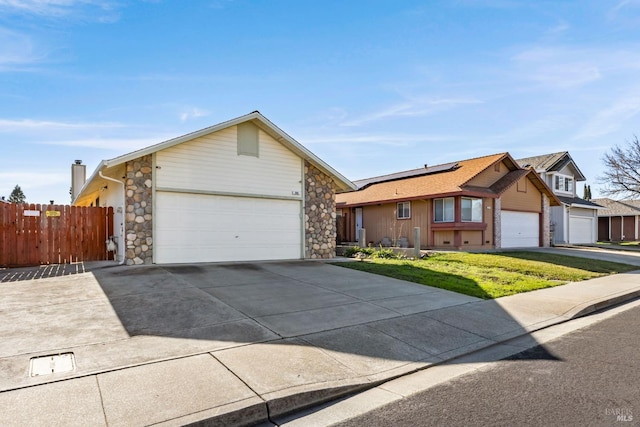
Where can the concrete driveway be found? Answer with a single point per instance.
(122, 316)
(240, 342)
(622, 256)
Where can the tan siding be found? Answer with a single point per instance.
(488, 219)
(380, 221)
(489, 176)
(211, 163)
(471, 238)
(440, 237)
(529, 201)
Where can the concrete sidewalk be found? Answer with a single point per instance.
(244, 343)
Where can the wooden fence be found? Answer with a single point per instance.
(53, 234)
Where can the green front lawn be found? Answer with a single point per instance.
(491, 275)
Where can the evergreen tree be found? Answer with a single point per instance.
(17, 196)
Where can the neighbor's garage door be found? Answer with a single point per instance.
(581, 230)
(206, 228)
(520, 229)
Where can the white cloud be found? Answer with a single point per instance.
(32, 179)
(623, 4)
(53, 8)
(559, 28)
(612, 118)
(17, 50)
(122, 145)
(379, 139)
(558, 67)
(103, 135)
(193, 113)
(23, 125)
(412, 108)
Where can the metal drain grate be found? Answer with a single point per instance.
(52, 364)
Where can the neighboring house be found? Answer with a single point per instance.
(483, 203)
(576, 220)
(240, 190)
(618, 221)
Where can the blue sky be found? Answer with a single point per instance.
(371, 87)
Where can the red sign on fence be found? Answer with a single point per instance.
(53, 234)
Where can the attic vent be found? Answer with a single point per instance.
(248, 139)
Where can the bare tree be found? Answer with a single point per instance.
(622, 170)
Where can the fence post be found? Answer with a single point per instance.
(416, 243)
(362, 238)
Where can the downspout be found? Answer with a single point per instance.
(124, 194)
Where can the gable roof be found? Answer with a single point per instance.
(342, 183)
(618, 207)
(446, 181)
(552, 162)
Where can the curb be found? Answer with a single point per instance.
(283, 406)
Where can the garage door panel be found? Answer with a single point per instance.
(520, 229)
(581, 230)
(207, 228)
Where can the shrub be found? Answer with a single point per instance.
(384, 253)
(354, 250)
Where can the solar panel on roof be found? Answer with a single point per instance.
(427, 170)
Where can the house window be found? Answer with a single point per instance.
(404, 210)
(247, 139)
(568, 185)
(471, 210)
(443, 210)
(563, 183)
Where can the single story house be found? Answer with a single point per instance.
(482, 203)
(575, 220)
(237, 191)
(618, 221)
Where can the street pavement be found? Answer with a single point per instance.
(240, 344)
(586, 377)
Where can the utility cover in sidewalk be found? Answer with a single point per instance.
(53, 364)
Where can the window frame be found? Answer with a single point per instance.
(444, 210)
(462, 209)
(566, 183)
(406, 205)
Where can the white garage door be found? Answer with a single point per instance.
(581, 230)
(520, 229)
(205, 228)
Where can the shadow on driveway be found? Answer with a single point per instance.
(285, 328)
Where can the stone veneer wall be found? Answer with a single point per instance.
(320, 214)
(139, 211)
(497, 223)
(546, 222)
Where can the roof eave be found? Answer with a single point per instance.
(86, 184)
(472, 193)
